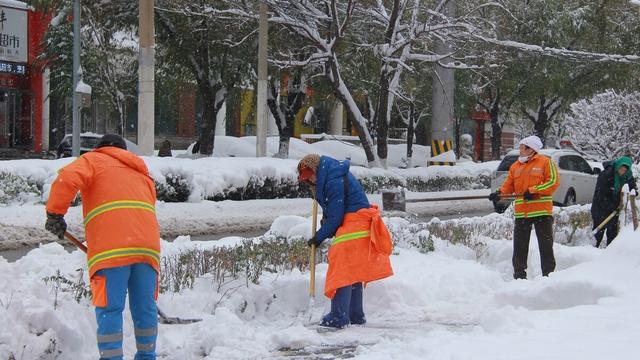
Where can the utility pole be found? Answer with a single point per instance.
(75, 112)
(146, 80)
(443, 98)
(262, 111)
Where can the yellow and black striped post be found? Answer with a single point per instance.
(440, 147)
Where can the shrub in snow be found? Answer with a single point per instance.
(572, 226)
(373, 184)
(277, 254)
(606, 124)
(442, 183)
(247, 261)
(176, 188)
(77, 287)
(260, 187)
(15, 188)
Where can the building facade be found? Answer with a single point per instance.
(22, 81)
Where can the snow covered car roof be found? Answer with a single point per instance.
(549, 152)
(90, 145)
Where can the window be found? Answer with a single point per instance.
(507, 162)
(583, 165)
(565, 163)
(574, 163)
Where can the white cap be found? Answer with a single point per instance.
(533, 142)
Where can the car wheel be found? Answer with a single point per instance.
(570, 198)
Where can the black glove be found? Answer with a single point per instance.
(494, 196)
(56, 224)
(528, 196)
(313, 241)
(323, 220)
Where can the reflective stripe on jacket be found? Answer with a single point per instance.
(118, 205)
(540, 176)
(360, 251)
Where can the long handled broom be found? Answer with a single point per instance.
(162, 317)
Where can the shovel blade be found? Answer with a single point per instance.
(164, 319)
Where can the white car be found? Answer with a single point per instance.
(577, 178)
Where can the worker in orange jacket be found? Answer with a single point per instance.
(533, 178)
(361, 243)
(123, 238)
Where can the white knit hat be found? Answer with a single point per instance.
(533, 142)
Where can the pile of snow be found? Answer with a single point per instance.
(447, 303)
(230, 146)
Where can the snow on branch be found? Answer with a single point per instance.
(606, 124)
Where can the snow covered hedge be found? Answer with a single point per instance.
(14, 188)
(571, 227)
(275, 252)
(180, 180)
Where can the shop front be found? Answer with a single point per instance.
(21, 79)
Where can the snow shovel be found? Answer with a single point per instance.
(312, 260)
(162, 317)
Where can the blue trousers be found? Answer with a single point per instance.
(140, 281)
(346, 307)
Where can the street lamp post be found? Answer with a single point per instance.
(262, 111)
(146, 81)
(75, 139)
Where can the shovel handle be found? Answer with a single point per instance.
(312, 252)
(75, 241)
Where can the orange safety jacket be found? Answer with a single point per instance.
(540, 176)
(359, 252)
(118, 205)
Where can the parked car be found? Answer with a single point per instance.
(88, 142)
(577, 178)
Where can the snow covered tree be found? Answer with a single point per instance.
(606, 124)
(204, 38)
(324, 25)
(540, 56)
(285, 108)
(108, 57)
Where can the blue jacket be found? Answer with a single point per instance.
(330, 194)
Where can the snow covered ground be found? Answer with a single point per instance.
(451, 303)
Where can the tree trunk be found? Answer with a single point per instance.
(381, 119)
(274, 108)
(342, 93)
(382, 114)
(212, 100)
(541, 125)
(285, 119)
(496, 138)
(410, 135)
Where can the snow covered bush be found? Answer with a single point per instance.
(15, 188)
(77, 287)
(261, 187)
(176, 188)
(606, 124)
(443, 183)
(572, 226)
(247, 261)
